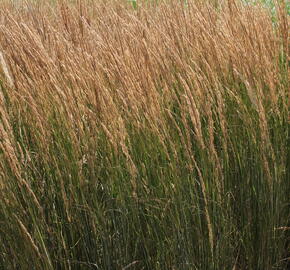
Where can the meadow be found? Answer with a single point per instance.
(144, 136)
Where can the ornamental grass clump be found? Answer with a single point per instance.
(153, 136)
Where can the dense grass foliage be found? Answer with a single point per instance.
(153, 136)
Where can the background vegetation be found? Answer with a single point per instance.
(153, 136)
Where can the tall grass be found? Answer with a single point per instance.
(154, 137)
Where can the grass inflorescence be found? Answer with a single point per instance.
(153, 136)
